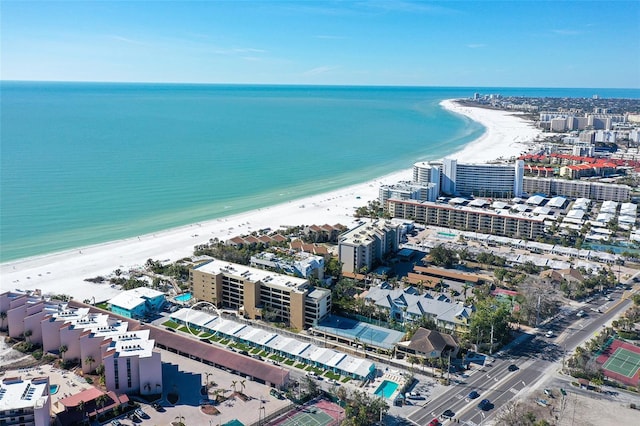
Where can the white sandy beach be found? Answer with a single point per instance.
(64, 272)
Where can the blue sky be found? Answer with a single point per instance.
(454, 43)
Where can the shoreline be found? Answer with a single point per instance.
(64, 272)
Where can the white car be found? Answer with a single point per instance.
(549, 334)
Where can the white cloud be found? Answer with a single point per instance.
(567, 32)
(320, 70)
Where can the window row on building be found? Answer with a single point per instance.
(468, 218)
(260, 294)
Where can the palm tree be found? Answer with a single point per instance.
(62, 350)
(147, 387)
(465, 288)
(89, 360)
(412, 360)
(242, 386)
(81, 409)
(233, 385)
(101, 400)
(27, 334)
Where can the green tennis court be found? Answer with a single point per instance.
(623, 362)
(308, 417)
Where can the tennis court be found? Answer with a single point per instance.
(623, 362)
(352, 329)
(308, 417)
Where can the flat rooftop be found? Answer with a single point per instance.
(271, 279)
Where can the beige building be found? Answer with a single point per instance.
(260, 294)
(577, 189)
(366, 244)
(468, 218)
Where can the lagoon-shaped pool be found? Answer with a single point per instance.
(53, 389)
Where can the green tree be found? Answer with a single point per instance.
(490, 318)
(63, 349)
(363, 409)
(89, 360)
(443, 256)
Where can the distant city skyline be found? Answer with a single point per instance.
(395, 43)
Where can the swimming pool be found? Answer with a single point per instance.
(386, 389)
(53, 389)
(446, 235)
(183, 297)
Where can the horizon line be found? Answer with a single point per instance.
(308, 84)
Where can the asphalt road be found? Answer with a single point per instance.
(533, 357)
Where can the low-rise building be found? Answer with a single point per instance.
(429, 344)
(137, 303)
(403, 306)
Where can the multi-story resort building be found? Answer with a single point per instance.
(489, 221)
(25, 402)
(257, 293)
(91, 338)
(502, 180)
(296, 263)
(409, 191)
(364, 245)
(577, 189)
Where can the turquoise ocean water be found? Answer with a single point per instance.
(83, 163)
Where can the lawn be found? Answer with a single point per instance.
(171, 324)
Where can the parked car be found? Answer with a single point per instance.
(548, 393)
(512, 367)
(414, 395)
(244, 353)
(141, 413)
(157, 407)
(434, 422)
(549, 334)
(448, 414)
(484, 405)
(580, 314)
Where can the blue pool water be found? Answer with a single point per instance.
(446, 235)
(53, 389)
(183, 297)
(386, 389)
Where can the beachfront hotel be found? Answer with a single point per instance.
(260, 294)
(366, 244)
(487, 221)
(577, 189)
(25, 401)
(90, 338)
(503, 180)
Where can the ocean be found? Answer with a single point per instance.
(84, 163)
